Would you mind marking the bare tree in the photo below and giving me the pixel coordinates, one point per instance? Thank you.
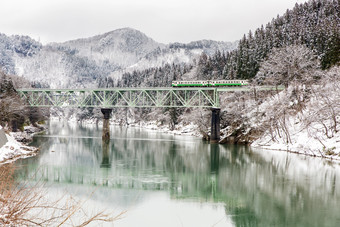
(323, 118)
(19, 206)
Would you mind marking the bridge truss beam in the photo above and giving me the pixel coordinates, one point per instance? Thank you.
(122, 97)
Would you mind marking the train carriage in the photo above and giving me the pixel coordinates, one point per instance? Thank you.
(209, 83)
(197, 83)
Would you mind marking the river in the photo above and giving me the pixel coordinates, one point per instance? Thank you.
(168, 180)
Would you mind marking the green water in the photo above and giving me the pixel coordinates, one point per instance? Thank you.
(166, 180)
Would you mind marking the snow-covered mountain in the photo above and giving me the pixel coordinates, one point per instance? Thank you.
(122, 47)
(81, 62)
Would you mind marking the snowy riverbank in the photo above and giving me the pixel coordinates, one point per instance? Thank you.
(303, 141)
(13, 150)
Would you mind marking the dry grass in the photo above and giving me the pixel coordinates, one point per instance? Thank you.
(25, 205)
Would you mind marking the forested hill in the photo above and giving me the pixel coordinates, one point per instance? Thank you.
(315, 24)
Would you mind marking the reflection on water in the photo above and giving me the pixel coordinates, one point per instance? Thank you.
(106, 154)
(185, 181)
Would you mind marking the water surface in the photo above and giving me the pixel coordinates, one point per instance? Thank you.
(166, 180)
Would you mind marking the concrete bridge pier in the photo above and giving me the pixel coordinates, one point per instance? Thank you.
(106, 124)
(215, 125)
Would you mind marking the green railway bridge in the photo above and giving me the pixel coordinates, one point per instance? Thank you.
(108, 98)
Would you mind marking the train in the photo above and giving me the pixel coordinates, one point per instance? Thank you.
(209, 83)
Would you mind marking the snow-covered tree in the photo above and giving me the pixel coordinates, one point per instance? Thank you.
(292, 64)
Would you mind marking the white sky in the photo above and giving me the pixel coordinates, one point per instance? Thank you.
(163, 20)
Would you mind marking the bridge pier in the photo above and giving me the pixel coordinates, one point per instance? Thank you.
(106, 123)
(215, 125)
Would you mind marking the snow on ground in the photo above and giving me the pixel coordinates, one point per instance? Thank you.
(14, 150)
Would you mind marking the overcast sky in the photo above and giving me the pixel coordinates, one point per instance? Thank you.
(163, 20)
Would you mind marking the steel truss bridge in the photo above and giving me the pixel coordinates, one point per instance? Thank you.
(202, 97)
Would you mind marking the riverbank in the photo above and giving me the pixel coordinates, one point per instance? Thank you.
(303, 140)
(13, 150)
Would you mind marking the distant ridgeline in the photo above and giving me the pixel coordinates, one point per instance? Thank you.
(314, 24)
